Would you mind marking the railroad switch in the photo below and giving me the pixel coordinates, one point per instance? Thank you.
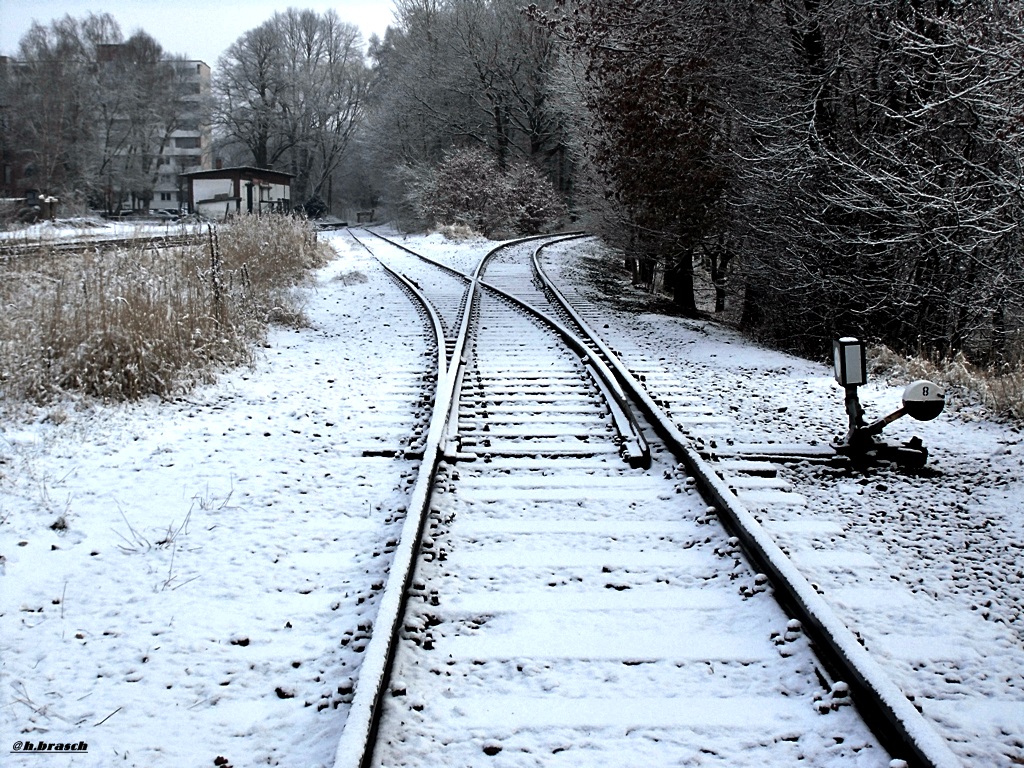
(922, 400)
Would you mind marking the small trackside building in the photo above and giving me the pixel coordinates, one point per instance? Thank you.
(243, 189)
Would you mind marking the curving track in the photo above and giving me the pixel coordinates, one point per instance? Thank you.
(560, 602)
(574, 583)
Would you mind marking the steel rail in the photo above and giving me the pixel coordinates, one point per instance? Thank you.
(420, 256)
(887, 711)
(899, 726)
(355, 747)
(638, 452)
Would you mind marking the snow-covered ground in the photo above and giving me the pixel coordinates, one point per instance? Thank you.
(926, 566)
(187, 581)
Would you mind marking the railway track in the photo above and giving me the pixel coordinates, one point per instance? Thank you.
(573, 586)
(771, 449)
(21, 248)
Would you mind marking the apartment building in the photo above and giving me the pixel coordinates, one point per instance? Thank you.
(185, 146)
(190, 147)
(12, 162)
(141, 162)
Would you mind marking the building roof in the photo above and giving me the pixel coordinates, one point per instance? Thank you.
(237, 170)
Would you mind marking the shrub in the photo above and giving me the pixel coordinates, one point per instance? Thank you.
(457, 232)
(536, 206)
(468, 188)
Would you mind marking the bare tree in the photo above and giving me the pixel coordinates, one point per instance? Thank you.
(54, 100)
(292, 91)
(141, 101)
(92, 111)
(860, 162)
(466, 74)
(249, 90)
(902, 181)
(653, 103)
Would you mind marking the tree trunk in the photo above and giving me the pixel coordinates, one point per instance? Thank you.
(630, 263)
(644, 275)
(679, 277)
(999, 348)
(752, 315)
(720, 258)
(720, 290)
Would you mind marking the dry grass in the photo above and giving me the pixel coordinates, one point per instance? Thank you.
(128, 324)
(1001, 392)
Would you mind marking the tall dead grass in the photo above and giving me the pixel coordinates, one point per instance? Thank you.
(127, 324)
(1000, 392)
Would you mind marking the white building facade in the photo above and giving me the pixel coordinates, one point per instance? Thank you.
(190, 147)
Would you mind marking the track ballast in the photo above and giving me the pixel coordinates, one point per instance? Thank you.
(566, 606)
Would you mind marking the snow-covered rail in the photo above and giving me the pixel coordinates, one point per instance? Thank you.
(448, 288)
(888, 711)
(566, 608)
(375, 670)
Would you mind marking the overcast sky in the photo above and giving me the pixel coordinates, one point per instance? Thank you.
(200, 29)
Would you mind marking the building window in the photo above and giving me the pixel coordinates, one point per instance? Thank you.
(188, 142)
(165, 196)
